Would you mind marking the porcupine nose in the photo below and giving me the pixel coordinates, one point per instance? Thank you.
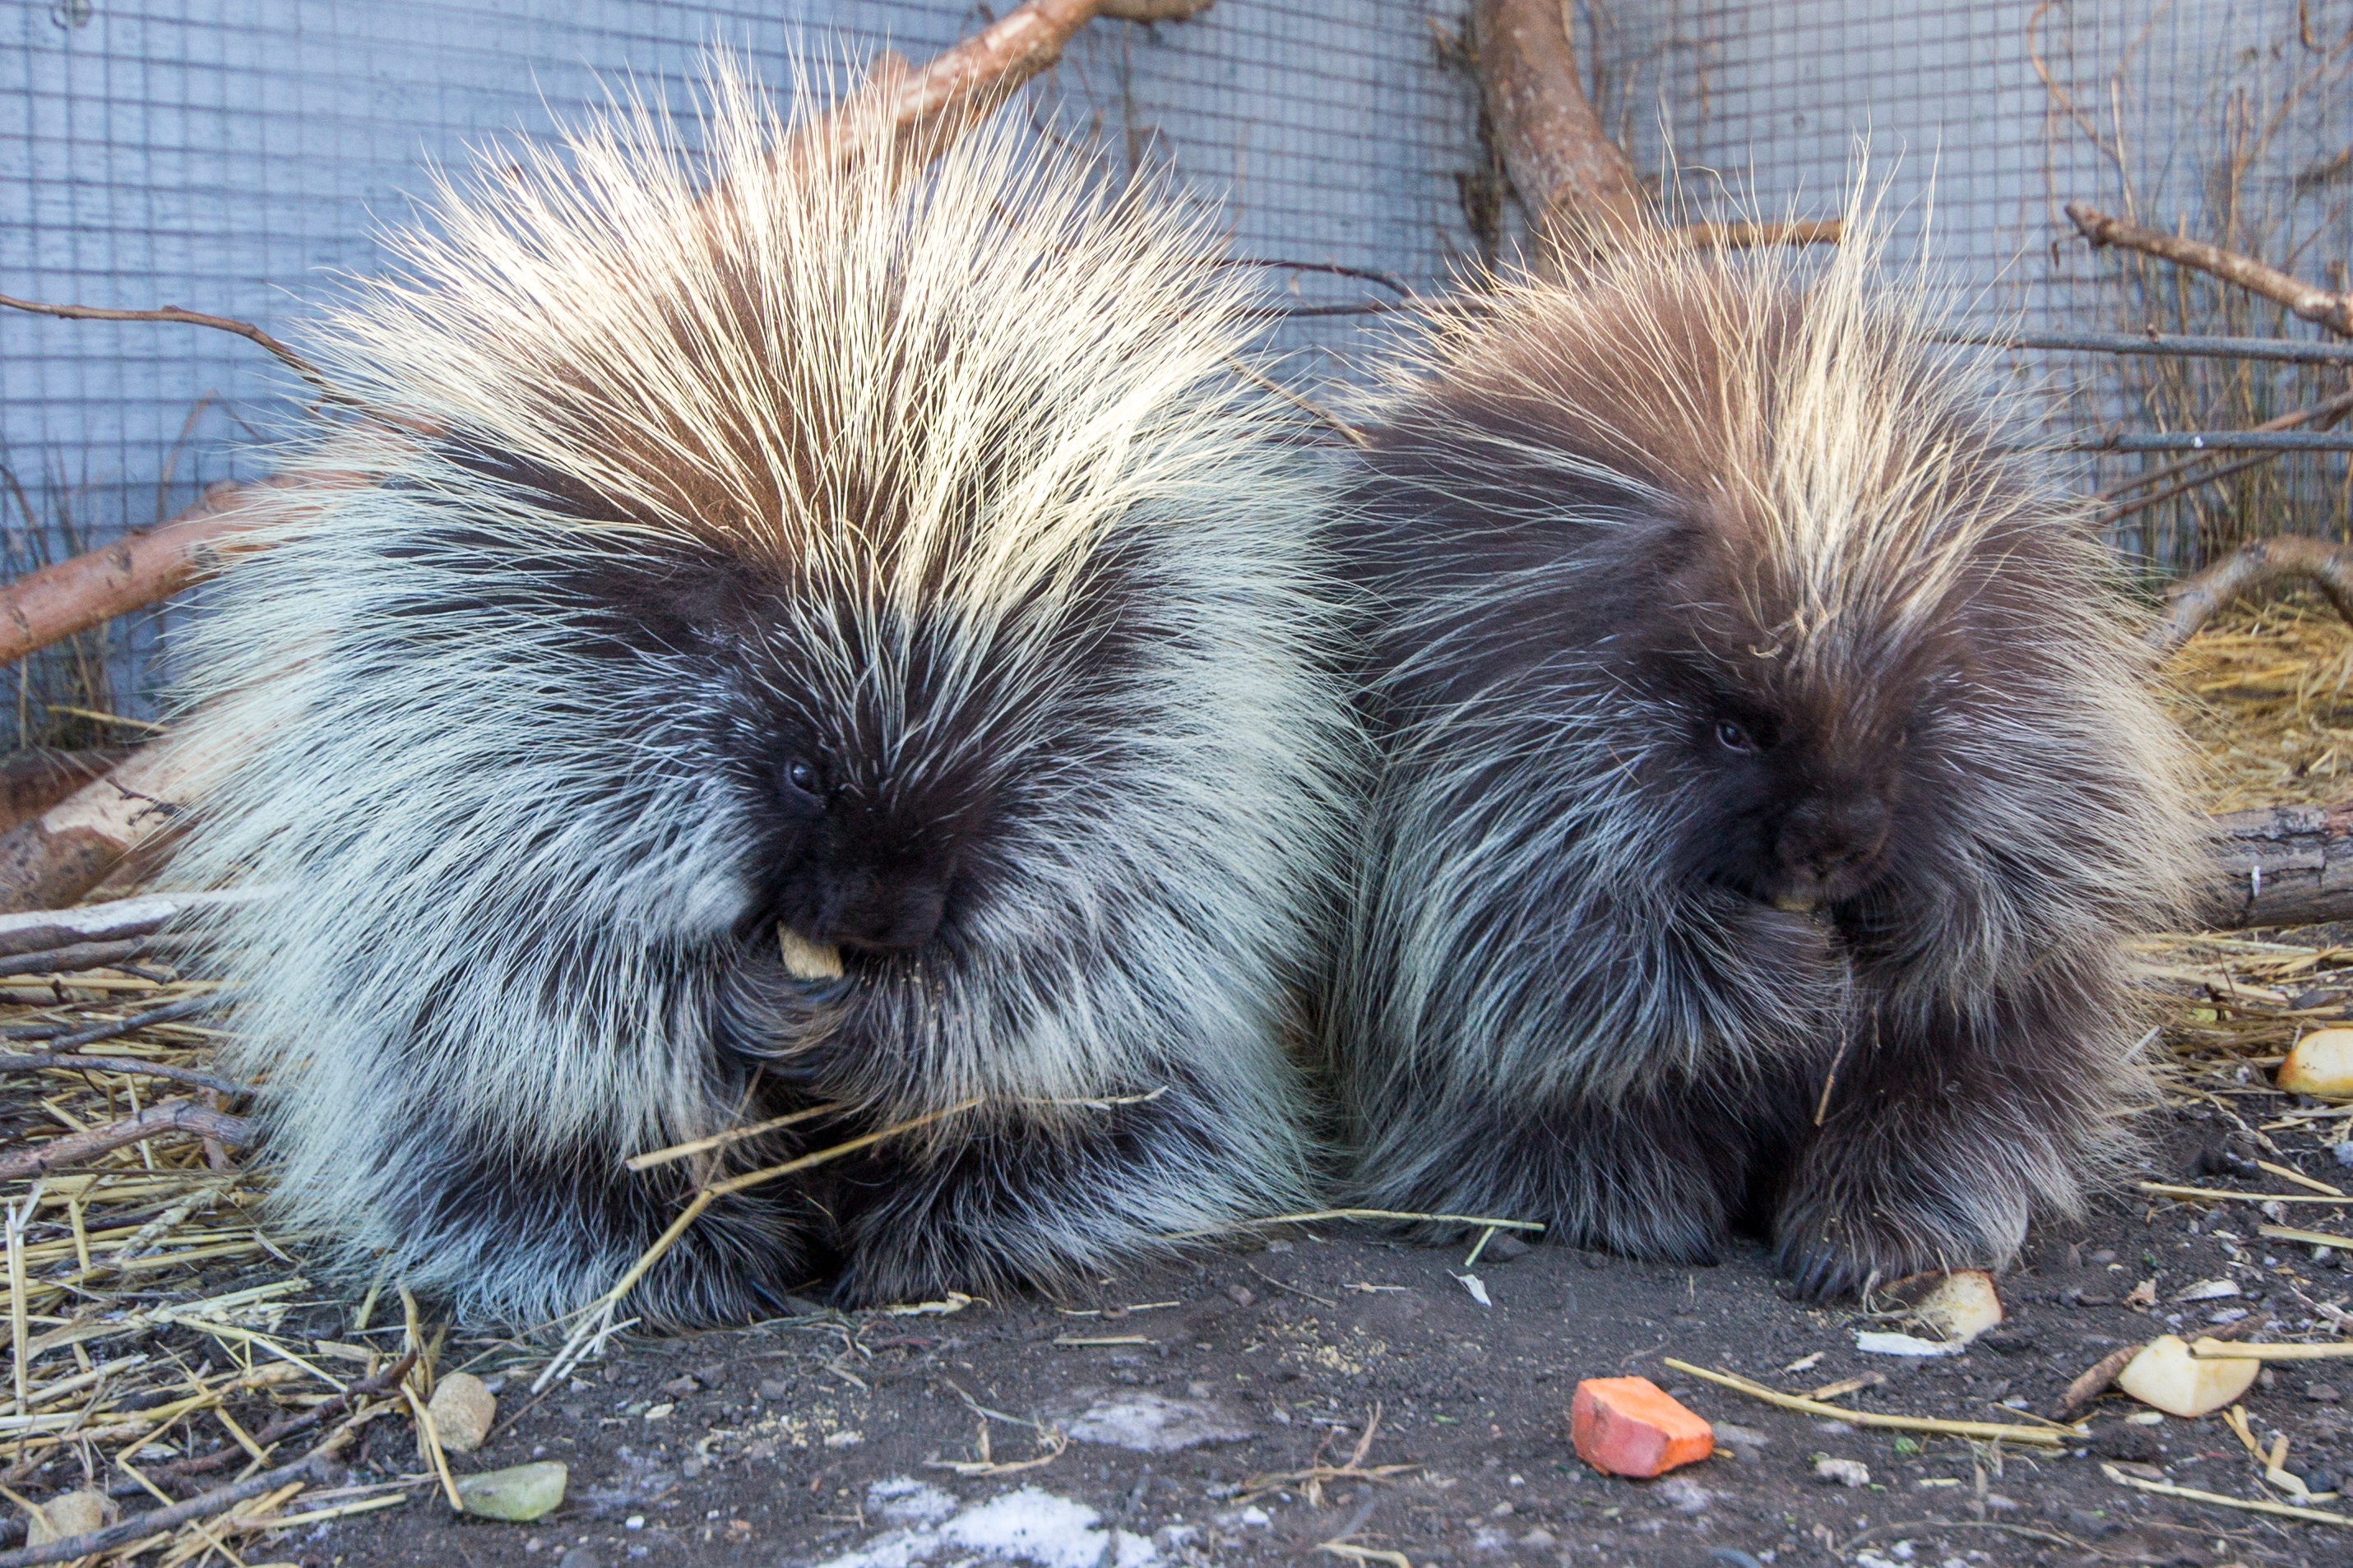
(889, 914)
(1823, 842)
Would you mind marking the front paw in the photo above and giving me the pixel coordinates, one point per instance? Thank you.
(1828, 1252)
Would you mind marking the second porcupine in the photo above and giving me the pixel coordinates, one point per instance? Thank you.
(1768, 783)
(843, 645)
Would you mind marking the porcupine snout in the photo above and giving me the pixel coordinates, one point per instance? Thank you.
(1828, 847)
(876, 912)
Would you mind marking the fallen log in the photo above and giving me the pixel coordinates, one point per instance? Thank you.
(55, 858)
(31, 784)
(2283, 866)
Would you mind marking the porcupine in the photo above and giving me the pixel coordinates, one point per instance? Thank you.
(851, 640)
(1768, 781)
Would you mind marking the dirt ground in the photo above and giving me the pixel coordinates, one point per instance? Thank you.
(1177, 1414)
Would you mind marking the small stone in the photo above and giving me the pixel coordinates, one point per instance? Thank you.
(775, 1388)
(1240, 1295)
(1841, 1472)
(1538, 1539)
(463, 1411)
(711, 1377)
(2344, 1153)
(75, 1513)
(520, 1493)
(682, 1386)
(580, 1557)
(1683, 1494)
(2322, 1393)
(1501, 1247)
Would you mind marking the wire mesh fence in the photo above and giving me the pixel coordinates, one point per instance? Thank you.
(237, 158)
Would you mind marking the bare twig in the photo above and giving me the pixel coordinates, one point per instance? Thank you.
(174, 314)
(189, 1076)
(66, 1037)
(2319, 413)
(2257, 563)
(180, 1118)
(2046, 1438)
(163, 1521)
(1315, 410)
(1748, 236)
(2333, 312)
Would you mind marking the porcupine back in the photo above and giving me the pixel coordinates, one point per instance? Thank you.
(1589, 513)
(951, 472)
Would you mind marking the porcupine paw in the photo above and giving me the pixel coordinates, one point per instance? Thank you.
(1831, 1252)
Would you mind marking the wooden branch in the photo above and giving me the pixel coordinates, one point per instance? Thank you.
(1578, 185)
(2333, 312)
(174, 315)
(163, 1520)
(1739, 236)
(919, 112)
(71, 1062)
(143, 566)
(46, 930)
(171, 1119)
(2257, 563)
(2283, 866)
(61, 855)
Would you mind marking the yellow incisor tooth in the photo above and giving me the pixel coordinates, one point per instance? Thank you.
(807, 960)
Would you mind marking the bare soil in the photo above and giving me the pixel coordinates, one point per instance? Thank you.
(809, 1440)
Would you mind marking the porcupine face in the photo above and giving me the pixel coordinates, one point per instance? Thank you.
(844, 854)
(1791, 783)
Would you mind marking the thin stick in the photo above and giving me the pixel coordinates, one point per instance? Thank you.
(721, 1140)
(174, 314)
(172, 1118)
(2040, 1437)
(65, 1037)
(164, 1520)
(753, 1178)
(2275, 349)
(1356, 438)
(1314, 1214)
(125, 1064)
(2310, 1238)
(2287, 1174)
(2240, 1351)
(2333, 312)
(2328, 411)
(2190, 1494)
(2207, 1195)
(1750, 236)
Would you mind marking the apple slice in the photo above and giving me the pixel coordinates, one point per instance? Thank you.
(2166, 1377)
(2322, 1064)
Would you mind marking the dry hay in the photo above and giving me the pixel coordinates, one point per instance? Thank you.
(164, 1342)
(2265, 694)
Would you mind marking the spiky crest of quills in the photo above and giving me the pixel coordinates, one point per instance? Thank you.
(950, 473)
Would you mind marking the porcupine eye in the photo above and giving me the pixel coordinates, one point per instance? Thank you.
(1732, 737)
(802, 779)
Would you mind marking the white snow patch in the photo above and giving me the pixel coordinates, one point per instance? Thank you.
(1027, 1526)
(1150, 1424)
(903, 1500)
